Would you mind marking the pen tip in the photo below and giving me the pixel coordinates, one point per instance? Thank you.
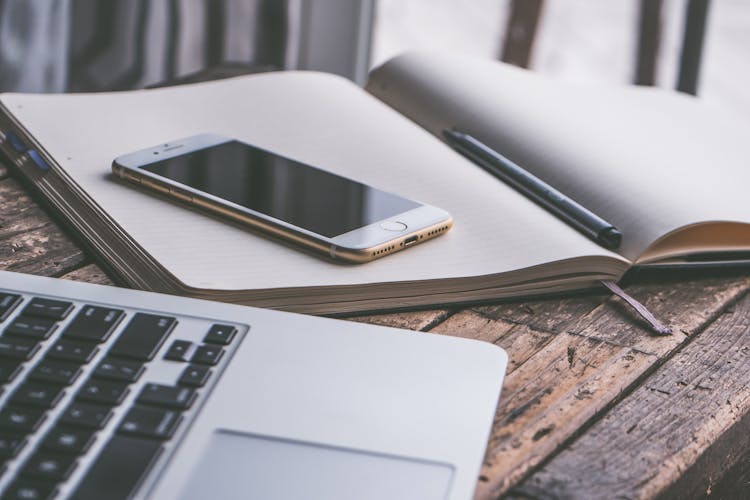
(610, 238)
(449, 133)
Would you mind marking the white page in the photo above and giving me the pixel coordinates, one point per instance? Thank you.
(647, 160)
(312, 117)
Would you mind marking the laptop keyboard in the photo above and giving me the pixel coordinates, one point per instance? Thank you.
(95, 397)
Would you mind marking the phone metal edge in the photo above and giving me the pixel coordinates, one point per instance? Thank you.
(279, 229)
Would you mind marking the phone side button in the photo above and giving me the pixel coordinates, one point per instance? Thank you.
(154, 185)
(133, 178)
(180, 195)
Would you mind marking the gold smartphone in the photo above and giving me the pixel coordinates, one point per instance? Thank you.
(334, 216)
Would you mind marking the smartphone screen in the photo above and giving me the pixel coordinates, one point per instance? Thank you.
(293, 192)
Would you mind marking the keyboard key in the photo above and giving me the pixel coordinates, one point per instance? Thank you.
(220, 334)
(178, 398)
(47, 308)
(86, 415)
(37, 395)
(119, 369)
(149, 422)
(17, 348)
(29, 490)
(207, 355)
(99, 391)
(9, 369)
(143, 336)
(56, 372)
(68, 440)
(20, 420)
(94, 324)
(48, 466)
(8, 302)
(119, 469)
(32, 328)
(70, 350)
(194, 376)
(10, 445)
(180, 350)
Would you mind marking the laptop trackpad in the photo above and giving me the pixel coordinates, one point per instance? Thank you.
(236, 465)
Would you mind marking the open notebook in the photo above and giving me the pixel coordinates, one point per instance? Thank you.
(669, 172)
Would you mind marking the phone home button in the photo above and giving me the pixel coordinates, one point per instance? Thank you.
(393, 226)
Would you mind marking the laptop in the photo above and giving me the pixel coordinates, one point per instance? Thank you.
(109, 393)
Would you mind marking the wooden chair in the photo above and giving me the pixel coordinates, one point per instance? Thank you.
(524, 19)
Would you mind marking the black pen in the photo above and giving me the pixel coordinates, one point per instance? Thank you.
(534, 188)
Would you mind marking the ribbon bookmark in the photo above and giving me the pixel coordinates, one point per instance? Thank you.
(642, 311)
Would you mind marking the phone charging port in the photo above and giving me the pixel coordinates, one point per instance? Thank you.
(410, 240)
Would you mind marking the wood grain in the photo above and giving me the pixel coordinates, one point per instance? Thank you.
(551, 315)
(680, 419)
(579, 373)
(90, 273)
(29, 241)
(520, 341)
(521, 328)
(411, 320)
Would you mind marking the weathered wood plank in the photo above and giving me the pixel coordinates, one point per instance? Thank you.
(670, 435)
(18, 212)
(29, 240)
(412, 320)
(521, 328)
(90, 273)
(471, 325)
(519, 341)
(44, 251)
(545, 315)
(582, 371)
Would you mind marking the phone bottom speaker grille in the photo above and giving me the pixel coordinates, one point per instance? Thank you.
(437, 231)
(384, 250)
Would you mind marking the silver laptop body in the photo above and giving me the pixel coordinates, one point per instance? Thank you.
(292, 407)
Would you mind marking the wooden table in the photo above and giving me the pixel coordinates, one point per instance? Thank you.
(593, 404)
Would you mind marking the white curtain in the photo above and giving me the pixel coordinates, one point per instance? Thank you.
(34, 45)
(102, 45)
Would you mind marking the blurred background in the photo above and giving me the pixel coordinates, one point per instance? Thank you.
(626, 41)
(695, 46)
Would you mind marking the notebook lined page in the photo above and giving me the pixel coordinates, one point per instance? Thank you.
(647, 160)
(316, 118)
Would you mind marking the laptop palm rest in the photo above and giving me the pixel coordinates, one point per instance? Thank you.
(237, 465)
